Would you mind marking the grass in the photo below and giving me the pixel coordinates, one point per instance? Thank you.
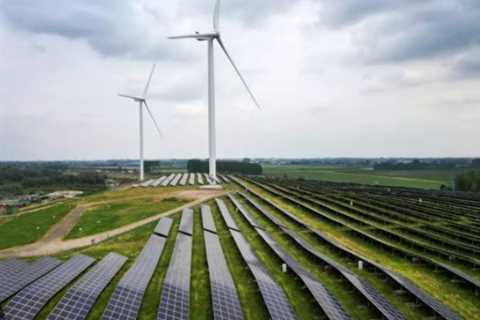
(439, 286)
(201, 305)
(30, 227)
(117, 214)
(424, 179)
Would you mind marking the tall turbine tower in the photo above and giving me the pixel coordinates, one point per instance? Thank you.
(211, 38)
(142, 102)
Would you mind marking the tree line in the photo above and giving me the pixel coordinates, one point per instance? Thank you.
(225, 166)
(468, 181)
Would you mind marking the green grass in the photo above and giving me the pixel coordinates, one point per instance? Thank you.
(110, 216)
(30, 227)
(425, 179)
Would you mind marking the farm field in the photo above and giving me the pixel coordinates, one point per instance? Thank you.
(420, 259)
(425, 179)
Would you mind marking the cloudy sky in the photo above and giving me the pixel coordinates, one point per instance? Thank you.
(335, 78)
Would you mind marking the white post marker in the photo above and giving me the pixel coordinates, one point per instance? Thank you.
(284, 267)
(360, 265)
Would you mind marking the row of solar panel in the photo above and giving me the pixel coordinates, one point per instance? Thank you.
(433, 304)
(474, 283)
(183, 179)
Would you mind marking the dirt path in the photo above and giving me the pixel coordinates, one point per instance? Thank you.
(53, 243)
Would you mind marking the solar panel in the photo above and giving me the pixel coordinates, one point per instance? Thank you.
(262, 210)
(206, 178)
(231, 224)
(186, 222)
(273, 295)
(26, 274)
(225, 302)
(175, 180)
(191, 179)
(26, 304)
(175, 297)
(10, 267)
(159, 181)
(324, 298)
(429, 301)
(226, 179)
(370, 293)
(200, 178)
(183, 181)
(434, 304)
(79, 299)
(240, 208)
(126, 300)
(167, 181)
(163, 227)
(207, 219)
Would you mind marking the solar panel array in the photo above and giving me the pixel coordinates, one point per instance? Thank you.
(167, 181)
(13, 281)
(126, 300)
(207, 219)
(191, 179)
(200, 178)
(183, 181)
(26, 304)
(175, 180)
(175, 297)
(11, 266)
(370, 293)
(225, 301)
(275, 299)
(79, 299)
(409, 286)
(231, 224)
(244, 213)
(186, 222)
(163, 227)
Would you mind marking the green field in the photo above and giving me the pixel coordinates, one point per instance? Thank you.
(424, 179)
(30, 227)
(116, 214)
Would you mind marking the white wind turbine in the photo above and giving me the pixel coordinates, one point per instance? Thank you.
(211, 37)
(142, 102)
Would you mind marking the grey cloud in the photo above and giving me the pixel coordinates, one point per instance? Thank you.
(408, 30)
(467, 66)
(112, 28)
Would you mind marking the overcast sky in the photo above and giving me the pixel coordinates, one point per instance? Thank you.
(355, 78)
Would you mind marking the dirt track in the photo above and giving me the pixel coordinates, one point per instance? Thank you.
(53, 243)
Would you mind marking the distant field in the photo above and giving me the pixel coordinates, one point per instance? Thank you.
(425, 179)
(30, 227)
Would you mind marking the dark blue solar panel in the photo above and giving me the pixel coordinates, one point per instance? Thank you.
(79, 299)
(175, 297)
(26, 274)
(127, 298)
(26, 304)
(163, 227)
(207, 219)
(186, 222)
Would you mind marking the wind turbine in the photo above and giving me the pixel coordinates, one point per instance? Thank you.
(142, 102)
(211, 38)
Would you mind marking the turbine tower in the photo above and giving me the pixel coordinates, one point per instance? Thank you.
(211, 38)
(142, 102)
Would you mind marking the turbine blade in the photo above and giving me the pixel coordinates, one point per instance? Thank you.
(216, 17)
(153, 118)
(129, 97)
(148, 82)
(238, 73)
(198, 36)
